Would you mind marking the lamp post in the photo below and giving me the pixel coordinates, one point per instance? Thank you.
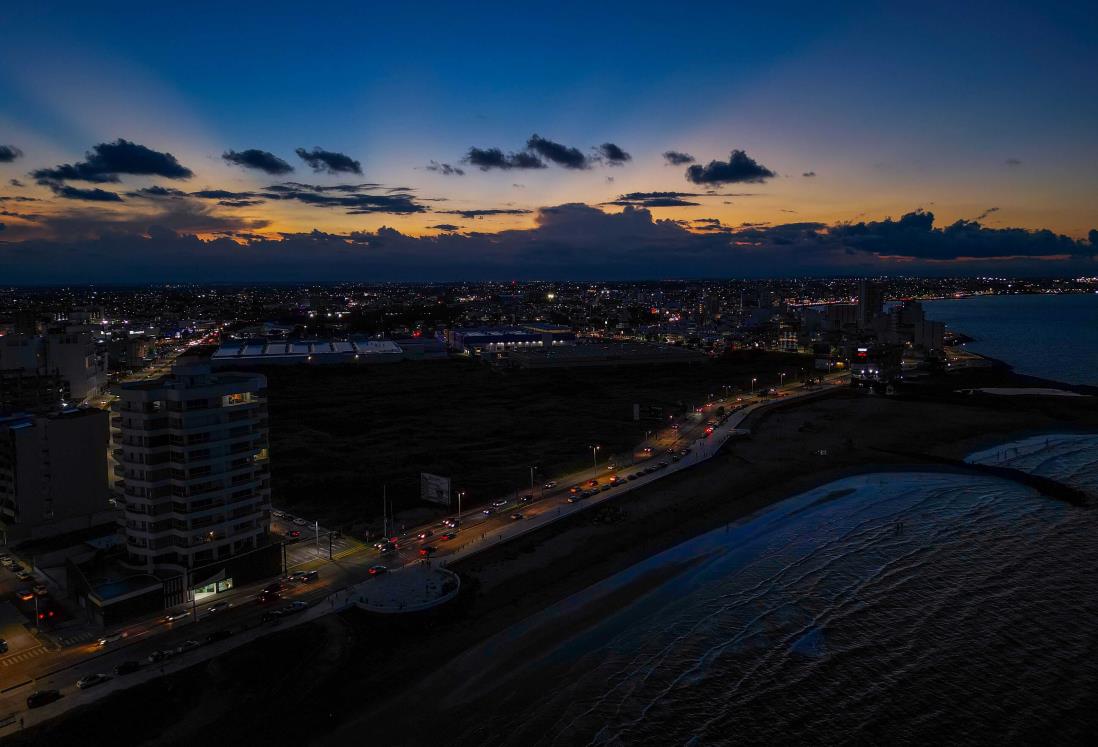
(753, 380)
(531, 482)
(781, 382)
(595, 460)
(460, 494)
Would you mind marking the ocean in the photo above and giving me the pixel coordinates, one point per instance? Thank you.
(895, 607)
(1051, 336)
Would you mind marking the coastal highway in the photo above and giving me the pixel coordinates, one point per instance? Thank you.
(49, 667)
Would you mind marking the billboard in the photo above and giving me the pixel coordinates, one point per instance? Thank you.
(434, 488)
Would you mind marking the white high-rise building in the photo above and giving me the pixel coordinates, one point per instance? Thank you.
(192, 469)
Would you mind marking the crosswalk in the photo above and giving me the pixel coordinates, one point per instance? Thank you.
(76, 638)
(22, 656)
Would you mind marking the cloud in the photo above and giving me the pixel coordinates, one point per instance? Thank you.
(9, 153)
(326, 160)
(562, 155)
(106, 161)
(445, 169)
(809, 174)
(914, 236)
(740, 168)
(91, 195)
(677, 158)
(445, 227)
(1013, 162)
(350, 199)
(239, 203)
(157, 192)
(612, 154)
(223, 194)
(656, 199)
(483, 212)
(487, 159)
(987, 212)
(253, 158)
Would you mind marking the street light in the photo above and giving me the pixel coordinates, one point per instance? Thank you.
(460, 494)
(595, 459)
(753, 380)
(781, 382)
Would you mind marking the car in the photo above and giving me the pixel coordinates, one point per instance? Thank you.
(575, 489)
(25, 594)
(24, 576)
(127, 667)
(377, 570)
(606, 487)
(174, 615)
(632, 477)
(6, 560)
(449, 535)
(3, 646)
(295, 577)
(310, 576)
(16, 568)
(271, 616)
(39, 698)
(186, 646)
(675, 457)
(488, 511)
(662, 465)
(452, 523)
(264, 597)
(647, 449)
(517, 517)
(499, 503)
(111, 638)
(218, 607)
(526, 498)
(574, 498)
(425, 534)
(426, 551)
(274, 588)
(219, 635)
(550, 485)
(300, 522)
(162, 655)
(294, 607)
(278, 514)
(388, 548)
(592, 483)
(91, 680)
(294, 534)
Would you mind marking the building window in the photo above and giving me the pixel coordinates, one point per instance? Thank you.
(236, 399)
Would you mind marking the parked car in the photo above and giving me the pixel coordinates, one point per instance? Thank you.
(300, 522)
(127, 667)
(39, 698)
(23, 576)
(3, 646)
(162, 655)
(187, 646)
(271, 616)
(294, 534)
(449, 535)
(294, 607)
(91, 680)
(310, 576)
(219, 635)
(377, 570)
(526, 498)
(499, 503)
(16, 568)
(426, 551)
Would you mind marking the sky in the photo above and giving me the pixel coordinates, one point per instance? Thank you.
(450, 141)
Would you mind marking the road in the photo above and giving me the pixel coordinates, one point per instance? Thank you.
(30, 665)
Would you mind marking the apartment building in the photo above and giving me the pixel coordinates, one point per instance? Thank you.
(191, 468)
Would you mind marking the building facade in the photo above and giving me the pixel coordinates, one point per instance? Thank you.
(192, 471)
(53, 474)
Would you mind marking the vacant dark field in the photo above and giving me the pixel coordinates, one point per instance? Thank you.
(340, 433)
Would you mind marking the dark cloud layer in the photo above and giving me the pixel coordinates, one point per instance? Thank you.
(350, 198)
(445, 169)
(445, 227)
(739, 168)
(612, 154)
(9, 153)
(562, 155)
(677, 158)
(570, 241)
(261, 160)
(483, 212)
(90, 195)
(325, 160)
(487, 159)
(914, 236)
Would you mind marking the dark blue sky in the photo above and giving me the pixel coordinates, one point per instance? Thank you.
(845, 113)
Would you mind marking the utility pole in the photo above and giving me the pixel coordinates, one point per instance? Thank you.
(531, 482)
(316, 525)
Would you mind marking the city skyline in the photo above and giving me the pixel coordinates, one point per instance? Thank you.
(854, 141)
